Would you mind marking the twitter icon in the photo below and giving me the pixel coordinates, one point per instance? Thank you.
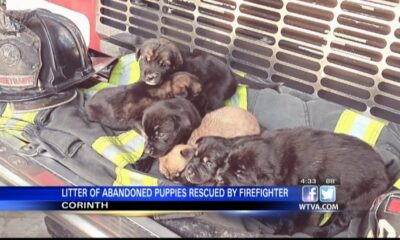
(327, 193)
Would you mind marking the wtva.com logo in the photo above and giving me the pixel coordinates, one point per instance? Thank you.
(326, 193)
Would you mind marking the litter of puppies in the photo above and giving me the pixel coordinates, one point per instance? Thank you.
(200, 142)
(228, 122)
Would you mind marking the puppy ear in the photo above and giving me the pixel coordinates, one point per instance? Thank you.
(195, 89)
(170, 122)
(183, 122)
(184, 93)
(178, 58)
(183, 126)
(198, 141)
(225, 141)
(187, 153)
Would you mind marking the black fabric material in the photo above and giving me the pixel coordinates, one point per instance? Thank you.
(71, 152)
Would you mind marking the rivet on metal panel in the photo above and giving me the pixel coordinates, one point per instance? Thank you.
(27, 147)
(30, 150)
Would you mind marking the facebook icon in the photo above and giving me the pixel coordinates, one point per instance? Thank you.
(310, 194)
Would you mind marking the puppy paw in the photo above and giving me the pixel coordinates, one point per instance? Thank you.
(169, 175)
(164, 171)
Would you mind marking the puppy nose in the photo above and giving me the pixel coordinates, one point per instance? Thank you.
(220, 180)
(152, 76)
(148, 150)
(177, 175)
(190, 170)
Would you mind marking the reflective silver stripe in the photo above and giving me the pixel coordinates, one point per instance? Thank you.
(235, 100)
(136, 143)
(126, 71)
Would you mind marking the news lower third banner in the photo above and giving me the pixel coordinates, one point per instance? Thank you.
(163, 198)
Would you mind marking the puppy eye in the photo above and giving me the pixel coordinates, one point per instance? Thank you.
(160, 135)
(164, 64)
(207, 162)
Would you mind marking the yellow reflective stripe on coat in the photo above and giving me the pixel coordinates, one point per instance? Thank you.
(90, 92)
(397, 184)
(239, 99)
(135, 213)
(129, 178)
(25, 116)
(362, 127)
(14, 122)
(142, 213)
(123, 149)
(125, 71)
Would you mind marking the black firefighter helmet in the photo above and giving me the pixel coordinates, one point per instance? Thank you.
(42, 55)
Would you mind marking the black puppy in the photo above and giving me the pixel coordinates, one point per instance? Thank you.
(168, 123)
(122, 107)
(282, 157)
(204, 161)
(160, 57)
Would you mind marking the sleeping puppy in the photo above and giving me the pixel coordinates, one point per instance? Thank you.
(207, 158)
(168, 123)
(160, 57)
(227, 122)
(172, 164)
(282, 157)
(122, 107)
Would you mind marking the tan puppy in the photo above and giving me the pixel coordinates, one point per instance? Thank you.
(172, 164)
(227, 122)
